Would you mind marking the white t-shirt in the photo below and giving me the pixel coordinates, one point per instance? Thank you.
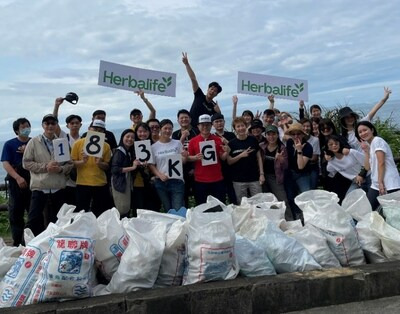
(349, 166)
(160, 150)
(391, 178)
(352, 139)
(314, 141)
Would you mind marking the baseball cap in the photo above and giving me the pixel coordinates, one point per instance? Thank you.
(71, 117)
(98, 124)
(217, 116)
(204, 118)
(271, 128)
(48, 117)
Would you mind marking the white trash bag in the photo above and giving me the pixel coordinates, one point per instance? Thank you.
(173, 260)
(253, 260)
(260, 198)
(240, 214)
(142, 258)
(323, 212)
(111, 243)
(67, 268)
(210, 248)
(356, 204)
(390, 237)
(391, 208)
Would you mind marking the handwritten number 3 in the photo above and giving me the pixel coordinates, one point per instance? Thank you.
(144, 150)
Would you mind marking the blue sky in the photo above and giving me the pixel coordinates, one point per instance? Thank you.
(347, 50)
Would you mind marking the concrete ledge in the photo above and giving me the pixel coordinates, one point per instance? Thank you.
(269, 294)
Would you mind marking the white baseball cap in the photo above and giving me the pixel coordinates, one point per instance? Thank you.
(98, 124)
(204, 118)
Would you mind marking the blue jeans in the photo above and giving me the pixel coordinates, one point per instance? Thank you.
(295, 184)
(171, 193)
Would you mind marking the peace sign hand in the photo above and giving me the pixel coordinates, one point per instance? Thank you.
(185, 59)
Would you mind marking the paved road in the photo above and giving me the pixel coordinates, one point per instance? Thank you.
(385, 305)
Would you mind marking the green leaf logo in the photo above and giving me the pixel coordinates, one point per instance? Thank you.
(301, 87)
(167, 81)
(297, 86)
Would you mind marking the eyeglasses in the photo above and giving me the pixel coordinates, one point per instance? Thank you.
(50, 123)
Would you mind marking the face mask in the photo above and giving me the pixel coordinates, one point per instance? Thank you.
(25, 132)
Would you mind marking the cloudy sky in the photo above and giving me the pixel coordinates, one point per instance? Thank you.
(347, 50)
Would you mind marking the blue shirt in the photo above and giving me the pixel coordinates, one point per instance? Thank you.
(13, 152)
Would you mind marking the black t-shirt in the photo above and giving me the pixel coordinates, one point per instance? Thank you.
(178, 133)
(228, 135)
(200, 106)
(292, 156)
(226, 169)
(269, 161)
(245, 169)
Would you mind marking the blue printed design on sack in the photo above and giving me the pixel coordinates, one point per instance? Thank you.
(13, 272)
(7, 295)
(70, 262)
(80, 290)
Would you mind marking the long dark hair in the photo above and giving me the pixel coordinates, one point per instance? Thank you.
(368, 125)
(121, 140)
(145, 126)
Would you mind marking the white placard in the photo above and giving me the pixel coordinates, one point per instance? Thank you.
(264, 85)
(130, 78)
(61, 150)
(175, 170)
(143, 151)
(207, 148)
(94, 144)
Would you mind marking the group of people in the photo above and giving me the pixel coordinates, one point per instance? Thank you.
(266, 152)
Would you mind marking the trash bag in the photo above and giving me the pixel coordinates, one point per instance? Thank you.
(321, 209)
(173, 259)
(67, 268)
(253, 260)
(210, 250)
(390, 237)
(111, 243)
(356, 204)
(241, 213)
(391, 208)
(142, 258)
(260, 198)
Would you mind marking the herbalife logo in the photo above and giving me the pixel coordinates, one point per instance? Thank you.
(282, 90)
(131, 82)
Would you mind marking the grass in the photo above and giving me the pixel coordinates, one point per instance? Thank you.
(4, 225)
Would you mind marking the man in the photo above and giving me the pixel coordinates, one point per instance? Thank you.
(315, 110)
(218, 122)
(110, 138)
(48, 177)
(202, 104)
(268, 117)
(18, 179)
(154, 126)
(74, 124)
(208, 179)
(93, 192)
(185, 134)
(136, 115)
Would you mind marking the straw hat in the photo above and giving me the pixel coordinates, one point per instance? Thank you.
(295, 128)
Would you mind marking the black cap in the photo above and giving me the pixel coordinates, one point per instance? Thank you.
(71, 117)
(256, 123)
(72, 98)
(48, 117)
(217, 116)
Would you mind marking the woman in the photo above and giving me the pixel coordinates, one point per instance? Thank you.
(348, 120)
(350, 164)
(123, 163)
(275, 163)
(379, 159)
(298, 175)
(314, 141)
(246, 163)
(170, 190)
(315, 126)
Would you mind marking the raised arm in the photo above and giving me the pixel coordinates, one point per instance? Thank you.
(271, 99)
(57, 105)
(149, 105)
(378, 106)
(234, 107)
(190, 72)
(301, 109)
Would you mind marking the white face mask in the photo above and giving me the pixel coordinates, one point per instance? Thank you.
(25, 132)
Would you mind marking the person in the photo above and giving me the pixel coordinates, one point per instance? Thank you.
(74, 124)
(123, 163)
(110, 138)
(348, 120)
(314, 141)
(218, 122)
(257, 129)
(48, 177)
(185, 134)
(136, 115)
(170, 190)
(154, 126)
(208, 179)
(350, 165)
(145, 194)
(246, 114)
(315, 126)
(202, 104)
(268, 117)
(18, 179)
(275, 161)
(93, 193)
(379, 159)
(315, 111)
(244, 158)
(298, 174)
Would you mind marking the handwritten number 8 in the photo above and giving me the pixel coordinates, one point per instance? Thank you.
(93, 141)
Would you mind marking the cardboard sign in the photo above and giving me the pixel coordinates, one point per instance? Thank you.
(94, 143)
(175, 170)
(61, 150)
(133, 79)
(207, 148)
(280, 87)
(143, 151)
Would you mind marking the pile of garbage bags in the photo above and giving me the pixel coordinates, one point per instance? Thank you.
(81, 256)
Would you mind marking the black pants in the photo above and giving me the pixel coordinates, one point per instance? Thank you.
(202, 190)
(38, 202)
(93, 198)
(18, 202)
